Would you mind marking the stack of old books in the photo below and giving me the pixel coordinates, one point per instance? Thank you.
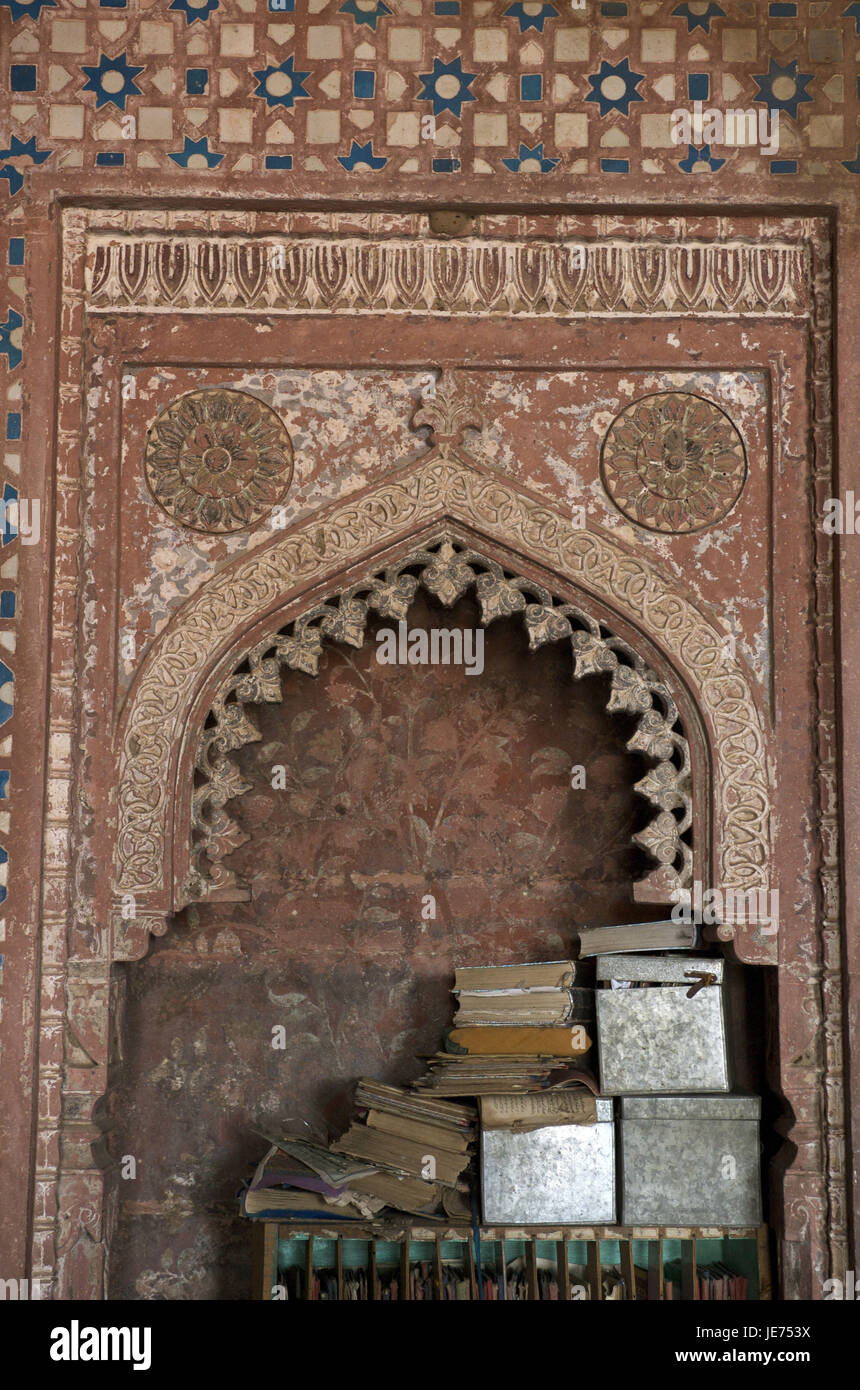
(419, 1147)
(402, 1151)
(520, 1034)
(518, 1028)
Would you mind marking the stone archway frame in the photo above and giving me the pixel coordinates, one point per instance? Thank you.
(447, 567)
(444, 486)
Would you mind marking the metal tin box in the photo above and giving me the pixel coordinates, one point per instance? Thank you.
(690, 1161)
(560, 1175)
(656, 1040)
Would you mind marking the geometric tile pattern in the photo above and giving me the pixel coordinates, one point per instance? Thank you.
(419, 86)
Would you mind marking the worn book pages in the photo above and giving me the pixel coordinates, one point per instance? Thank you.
(374, 1095)
(402, 1156)
(335, 1171)
(637, 936)
(404, 1194)
(431, 1136)
(522, 1113)
(555, 974)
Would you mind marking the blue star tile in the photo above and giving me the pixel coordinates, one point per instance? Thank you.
(615, 166)
(782, 11)
(531, 21)
(766, 80)
(4, 776)
(96, 77)
(13, 424)
(25, 149)
(702, 156)
(362, 154)
(531, 86)
(369, 17)
(20, 149)
(853, 165)
(363, 84)
(27, 9)
(279, 161)
(446, 165)
(196, 81)
(699, 21)
(516, 163)
(783, 166)
(191, 147)
(604, 85)
(16, 250)
(193, 12)
(430, 90)
(853, 12)
(110, 159)
(281, 86)
(446, 7)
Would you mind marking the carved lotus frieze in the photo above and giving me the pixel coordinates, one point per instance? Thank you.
(673, 462)
(218, 460)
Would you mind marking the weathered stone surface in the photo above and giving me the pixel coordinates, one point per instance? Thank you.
(164, 186)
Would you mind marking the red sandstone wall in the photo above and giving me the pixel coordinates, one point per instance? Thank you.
(56, 131)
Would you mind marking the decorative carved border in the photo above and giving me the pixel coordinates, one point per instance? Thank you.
(216, 274)
(443, 485)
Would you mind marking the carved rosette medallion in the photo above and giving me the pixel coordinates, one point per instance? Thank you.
(673, 462)
(218, 460)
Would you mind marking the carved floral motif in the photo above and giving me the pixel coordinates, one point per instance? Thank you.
(449, 410)
(218, 460)
(673, 462)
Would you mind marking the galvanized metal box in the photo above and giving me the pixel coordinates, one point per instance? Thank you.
(656, 1040)
(560, 1175)
(690, 1161)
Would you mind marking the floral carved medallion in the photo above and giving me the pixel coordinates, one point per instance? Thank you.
(218, 460)
(673, 462)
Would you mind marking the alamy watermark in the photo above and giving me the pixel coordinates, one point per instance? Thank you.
(76, 1343)
(848, 1287)
(21, 517)
(19, 1290)
(711, 906)
(439, 647)
(841, 516)
(735, 126)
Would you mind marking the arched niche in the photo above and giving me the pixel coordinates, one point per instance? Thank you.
(282, 593)
(448, 567)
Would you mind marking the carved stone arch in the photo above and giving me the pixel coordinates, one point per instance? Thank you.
(447, 567)
(298, 570)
